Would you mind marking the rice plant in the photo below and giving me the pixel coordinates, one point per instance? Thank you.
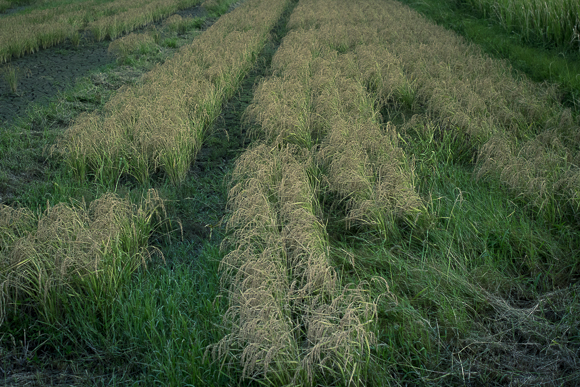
(75, 39)
(26, 33)
(131, 44)
(280, 265)
(71, 247)
(11, 77)
(160, 124)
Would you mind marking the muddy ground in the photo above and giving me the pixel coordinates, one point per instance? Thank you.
(45, 73)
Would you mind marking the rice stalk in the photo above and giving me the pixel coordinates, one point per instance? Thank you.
(280, 264)
(72, 247)
(159, 125)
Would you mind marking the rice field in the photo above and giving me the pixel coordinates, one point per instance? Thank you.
(311, 193)
(26, 33)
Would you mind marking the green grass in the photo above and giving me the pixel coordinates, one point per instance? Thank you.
(162, 320)
(455, 280)
(538, 61)
(169, 42)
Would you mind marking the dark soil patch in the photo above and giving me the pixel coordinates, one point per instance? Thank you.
(43, 74)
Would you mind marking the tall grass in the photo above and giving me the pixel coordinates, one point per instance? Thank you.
(556, 21)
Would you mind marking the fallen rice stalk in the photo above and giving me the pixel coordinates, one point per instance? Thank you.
(313, 329)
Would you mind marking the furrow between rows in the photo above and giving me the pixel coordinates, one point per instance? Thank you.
(160, 124)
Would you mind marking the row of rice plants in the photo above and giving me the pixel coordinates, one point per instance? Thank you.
(313, 102)
(323, 137)
(525, 138)
(73, 250)
(160, 124)
(22, 34)
(429, 71)
(113, 26)
(291, 321)
(555, 21)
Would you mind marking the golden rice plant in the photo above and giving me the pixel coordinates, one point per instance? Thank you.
(21, 34)
(159, 125)
(333, 317)
(543, 171)
(378, 69)
(295, 54)
(71, 247)
(81, 144)
(262, 335)
(428, 68)
(280, 264)
(319, 90)
(131, 44)
(364, 163)
(176, 23)
(172, 22)
(282, 108)
(459, 83)
(371, 174)
(430, 71)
